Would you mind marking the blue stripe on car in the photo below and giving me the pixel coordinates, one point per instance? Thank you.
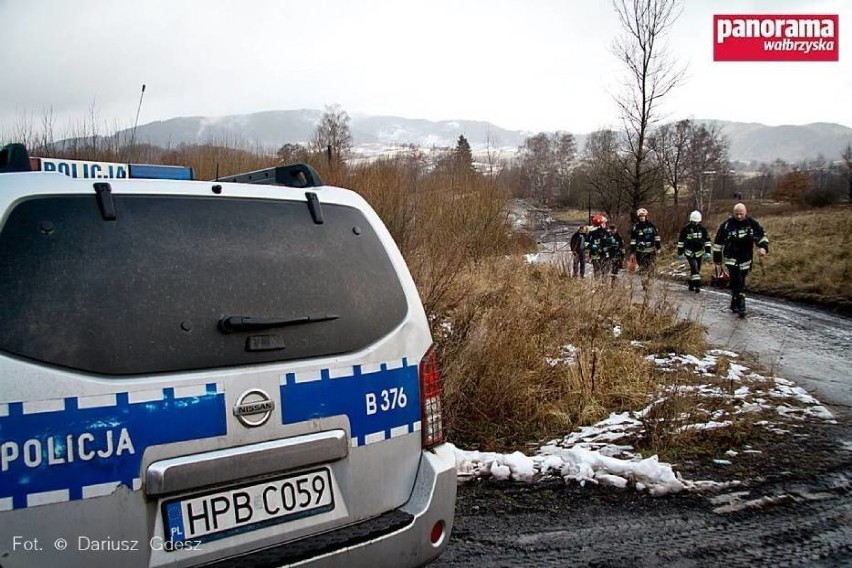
(376, 402)
(54, 454)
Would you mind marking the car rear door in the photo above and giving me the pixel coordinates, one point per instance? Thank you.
(200, 374)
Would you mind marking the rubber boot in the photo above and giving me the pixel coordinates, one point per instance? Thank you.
(741, 305)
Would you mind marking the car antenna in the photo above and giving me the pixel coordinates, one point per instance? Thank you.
(136, 122)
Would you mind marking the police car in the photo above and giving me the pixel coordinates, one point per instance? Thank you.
(235, 372)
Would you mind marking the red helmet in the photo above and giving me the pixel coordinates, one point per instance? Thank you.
(598, 220)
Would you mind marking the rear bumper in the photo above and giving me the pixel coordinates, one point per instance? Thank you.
(397, 539)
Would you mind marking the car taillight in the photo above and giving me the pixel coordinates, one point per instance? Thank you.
(432, 419)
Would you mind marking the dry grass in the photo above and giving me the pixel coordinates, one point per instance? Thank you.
(510, 375)
(572, 215)
(809, 257)
(442, 221)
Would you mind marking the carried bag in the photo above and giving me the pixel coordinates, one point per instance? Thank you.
(720, 277)
(631, 264)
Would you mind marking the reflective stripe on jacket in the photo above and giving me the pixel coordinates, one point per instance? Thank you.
(644, 237)
(735, 242)
(694, 240)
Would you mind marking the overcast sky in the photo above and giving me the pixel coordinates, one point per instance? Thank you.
(521, 64)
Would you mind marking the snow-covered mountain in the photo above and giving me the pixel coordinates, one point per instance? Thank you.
(275, 128)
(372, 134)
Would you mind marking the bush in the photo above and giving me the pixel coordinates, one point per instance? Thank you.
(820, 198)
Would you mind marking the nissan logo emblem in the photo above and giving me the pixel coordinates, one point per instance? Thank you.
(253, 408)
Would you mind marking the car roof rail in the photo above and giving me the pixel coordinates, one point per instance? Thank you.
(292, 175)
(14, 158)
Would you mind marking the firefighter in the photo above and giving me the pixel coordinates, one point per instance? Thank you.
(616, 250)
(598, 246)
(734, 244)
(644, 241)
(694, 245)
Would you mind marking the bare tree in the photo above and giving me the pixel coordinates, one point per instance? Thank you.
(847, 159)
(606, 173)
(650, 77)
(47, 136)
(333, 133)
(492, 152)
(289, 153)
(707, 155)
(535, 157)
(23, 130)
(546, 162)
(565, 151)
(670, 145)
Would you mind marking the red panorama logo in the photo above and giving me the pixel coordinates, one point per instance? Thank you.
(763, 37)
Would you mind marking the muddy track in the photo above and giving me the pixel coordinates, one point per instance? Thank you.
(791, 507)
(592, 529)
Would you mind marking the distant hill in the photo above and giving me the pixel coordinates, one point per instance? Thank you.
(753, 141)
(275, 128)
(372, 134)
(270, 128)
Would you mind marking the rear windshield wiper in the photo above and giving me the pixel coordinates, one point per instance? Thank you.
(231, 324)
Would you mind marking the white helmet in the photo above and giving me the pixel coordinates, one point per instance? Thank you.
(641, 211)
(695, 216)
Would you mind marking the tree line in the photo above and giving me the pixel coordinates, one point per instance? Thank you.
(687, 164)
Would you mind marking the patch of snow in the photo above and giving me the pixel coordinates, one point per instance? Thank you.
(598, 454)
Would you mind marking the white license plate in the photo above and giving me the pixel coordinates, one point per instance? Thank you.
(249, 507)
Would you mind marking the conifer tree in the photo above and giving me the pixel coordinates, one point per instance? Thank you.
(463, 154)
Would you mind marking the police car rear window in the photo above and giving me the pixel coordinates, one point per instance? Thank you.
(149, 291)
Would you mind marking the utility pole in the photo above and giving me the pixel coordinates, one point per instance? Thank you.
(589, 203)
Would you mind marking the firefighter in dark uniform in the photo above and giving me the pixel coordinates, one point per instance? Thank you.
(694, 244)
(644, 241)
(616, 250)
(598, 246)
(734, 244)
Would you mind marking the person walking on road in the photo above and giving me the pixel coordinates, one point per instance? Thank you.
(578, 252)
(599, 246)
(694, 245)
(734, 244)
(616, 251)
(644, 242)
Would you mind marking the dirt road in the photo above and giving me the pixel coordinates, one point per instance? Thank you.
(805, 344)
(791, 505)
